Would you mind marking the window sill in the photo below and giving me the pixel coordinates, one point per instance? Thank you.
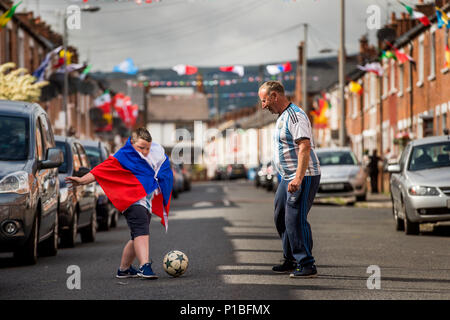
(432, 77)
(393, 91)
(384, 97)
(408, 89)
(419, 84)
(445, 70)
(400, 94)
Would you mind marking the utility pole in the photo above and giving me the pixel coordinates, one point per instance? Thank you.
(66, 77)
(342, 131)
(304, 71)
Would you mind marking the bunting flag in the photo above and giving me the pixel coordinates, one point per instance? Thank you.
(39, 73)
(447, 57)
(126, 66)
(442, 18)
(85, 72)
(355, 87)
(126, 110)
(320, 120)
(374, 67)
(388, 54)
(128, 176)
(103, 102)
(403, 57)
(183, 69)
(236, 69)
(274, 69)
(4, 18)
(417, 15)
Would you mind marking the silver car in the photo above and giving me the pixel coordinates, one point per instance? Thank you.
(420, 184)
(342, 175)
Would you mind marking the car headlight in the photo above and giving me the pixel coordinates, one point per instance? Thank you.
(16, 182)
(63, 193)
(423, 191)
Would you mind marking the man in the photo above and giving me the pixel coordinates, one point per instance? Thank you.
(373, 170)
(145, 158)
(295, 160)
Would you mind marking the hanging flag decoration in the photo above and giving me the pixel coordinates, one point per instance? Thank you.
(236, 69)
(85, 72)
(355, 87)
(388, 54)
(403, 57)
(374, 67)
(103, 102)
(126, 66)
(183, 69)
(39, 73)
(442, 18)
(417, 15)
(320, 120)
(127, 111)
(274, 69)
(447, 57)
(4, 18)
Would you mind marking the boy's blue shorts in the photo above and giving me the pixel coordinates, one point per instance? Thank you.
(138, 219)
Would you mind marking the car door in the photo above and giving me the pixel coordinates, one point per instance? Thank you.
(87, 200)
(79, 190)
(401, 177)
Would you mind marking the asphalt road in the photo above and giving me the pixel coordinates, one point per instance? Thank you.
(227, 231)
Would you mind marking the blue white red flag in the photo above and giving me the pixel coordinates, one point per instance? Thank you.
(128, 176)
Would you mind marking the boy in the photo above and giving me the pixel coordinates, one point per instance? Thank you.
(130, 179)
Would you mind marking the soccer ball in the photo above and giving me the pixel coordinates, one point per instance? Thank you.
(175, 263)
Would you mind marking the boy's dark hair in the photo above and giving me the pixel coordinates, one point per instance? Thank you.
(140, 133)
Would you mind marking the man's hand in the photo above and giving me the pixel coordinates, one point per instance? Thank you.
(294, 185)
(74, 181)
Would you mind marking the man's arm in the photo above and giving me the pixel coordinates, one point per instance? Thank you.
(76, 181)
(302, 165)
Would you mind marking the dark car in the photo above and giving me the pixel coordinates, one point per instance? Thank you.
(187, 177)
(29, 185)
(220, 173)
(178, 180)
(107, 214)
(236, 171)
(76, 204)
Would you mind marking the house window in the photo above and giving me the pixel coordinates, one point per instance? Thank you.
(421, 62)
(432, 55)
(401, 75)
(392, 76)
(444, 122)
(410, 69)
(427, 126)
(438, 123)
(355, 105)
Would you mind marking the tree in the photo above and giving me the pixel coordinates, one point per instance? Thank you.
(18, 84)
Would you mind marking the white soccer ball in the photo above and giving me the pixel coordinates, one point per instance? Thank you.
(175, 263)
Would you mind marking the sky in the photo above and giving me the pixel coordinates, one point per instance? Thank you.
(207, 33)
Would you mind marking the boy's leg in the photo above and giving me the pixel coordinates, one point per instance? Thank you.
(128, 255)
(141, 249)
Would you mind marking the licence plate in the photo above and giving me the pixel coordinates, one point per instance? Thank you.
(333, 186)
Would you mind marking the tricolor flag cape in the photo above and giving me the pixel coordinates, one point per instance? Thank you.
(128, 176)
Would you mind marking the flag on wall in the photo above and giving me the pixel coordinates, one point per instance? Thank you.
(126, 66)
(403, 57)
(274, 69)
(183, 69)
(39, 73)
(4, 18)
(374, 67)
(417, 15)
(447, 57)
(355, 87)
(236, 69)
(442, 18)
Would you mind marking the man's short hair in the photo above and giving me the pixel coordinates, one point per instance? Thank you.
(270, 86)
(140, 133)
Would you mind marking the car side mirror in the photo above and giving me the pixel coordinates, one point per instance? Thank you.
(394, 168)
(54, 159)
(81, 172)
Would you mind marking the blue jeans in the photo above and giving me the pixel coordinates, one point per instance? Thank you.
(291, 212)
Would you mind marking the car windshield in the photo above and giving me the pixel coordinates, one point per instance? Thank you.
(336, 158)
(14, 138)
(430, 156)
(62, 146)
(94, 156)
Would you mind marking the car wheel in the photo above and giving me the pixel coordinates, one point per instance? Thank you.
(88, 233)
(411, 228)
(28, 253)
(49, 247)
(399, 224)
(69, 237)
(106, 221)
(362, 197)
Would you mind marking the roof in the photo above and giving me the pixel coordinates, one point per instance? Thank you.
(17, 107)
(178, 108)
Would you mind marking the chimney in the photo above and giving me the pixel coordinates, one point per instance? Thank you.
(298, 76)
(426, 8)
(363, 48)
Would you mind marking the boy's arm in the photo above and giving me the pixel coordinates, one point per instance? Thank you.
(86, 179)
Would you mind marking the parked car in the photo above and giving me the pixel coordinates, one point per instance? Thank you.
(220, 173)
(341, 174)
(187, 177)
(178, 181)
(236, 171)
(76, 204)
(271, 176)
(420, 184)
(29, 185)
(107, 214)
(262, 175)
